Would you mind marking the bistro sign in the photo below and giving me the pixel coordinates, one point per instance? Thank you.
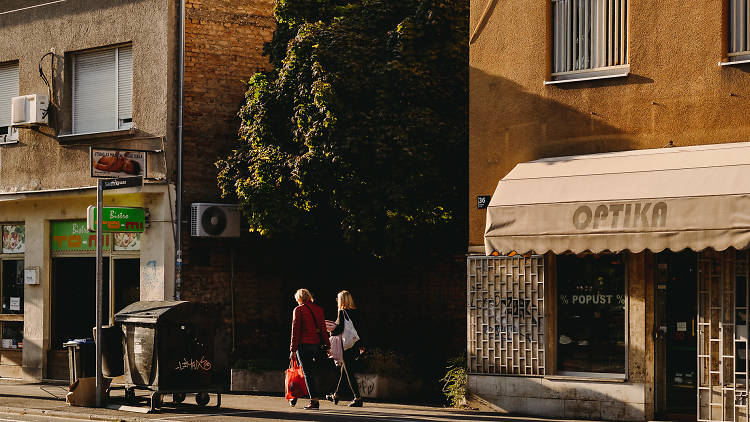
(117, 219)
(622, 215)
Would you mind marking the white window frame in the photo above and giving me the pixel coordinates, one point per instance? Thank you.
(12, 136)
(578, 28)
(118, 123)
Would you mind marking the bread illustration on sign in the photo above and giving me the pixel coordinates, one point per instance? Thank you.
(118, 163)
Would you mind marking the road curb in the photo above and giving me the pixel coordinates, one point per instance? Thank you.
(63, 414)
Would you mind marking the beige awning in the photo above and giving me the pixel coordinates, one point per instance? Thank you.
(656, 199)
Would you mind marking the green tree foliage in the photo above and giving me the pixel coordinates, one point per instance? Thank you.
(359, 135)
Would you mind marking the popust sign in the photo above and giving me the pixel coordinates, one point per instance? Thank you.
(117, 219)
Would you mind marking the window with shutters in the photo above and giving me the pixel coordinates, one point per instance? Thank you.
(102, 90)
(739, 32)
(8, 90)
(590, 39)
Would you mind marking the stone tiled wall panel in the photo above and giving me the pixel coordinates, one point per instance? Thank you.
(562, 398)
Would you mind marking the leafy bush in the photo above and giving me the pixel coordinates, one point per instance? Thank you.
(455, 382)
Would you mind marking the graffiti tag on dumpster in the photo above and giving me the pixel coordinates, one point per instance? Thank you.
(194, 365)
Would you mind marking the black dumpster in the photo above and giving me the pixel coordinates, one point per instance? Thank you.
(169, 348)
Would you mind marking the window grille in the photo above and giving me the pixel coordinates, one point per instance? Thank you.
(506, 315)
(739, 30)
(589, 35)
(722, 336)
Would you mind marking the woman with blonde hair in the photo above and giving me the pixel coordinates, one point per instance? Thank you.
(308, 334)
(347, 311)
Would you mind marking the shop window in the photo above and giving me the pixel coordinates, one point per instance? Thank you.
(12, 335)
(11, 286)
(591, 314)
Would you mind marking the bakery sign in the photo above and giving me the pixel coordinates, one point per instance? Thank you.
(107, 162)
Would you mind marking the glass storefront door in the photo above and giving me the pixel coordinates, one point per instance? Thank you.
(126, 283)
(675, 300)
(74, 298)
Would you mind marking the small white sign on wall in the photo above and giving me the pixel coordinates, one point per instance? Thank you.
(15, 303)
(31, 275)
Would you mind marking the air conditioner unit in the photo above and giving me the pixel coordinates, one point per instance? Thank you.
(214, 220)
(29, 110)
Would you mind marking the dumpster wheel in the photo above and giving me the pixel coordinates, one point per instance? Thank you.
(155, 401)
(202, 399)
(178, 397)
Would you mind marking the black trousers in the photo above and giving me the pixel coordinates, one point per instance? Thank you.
(309, 358)
(348, 371)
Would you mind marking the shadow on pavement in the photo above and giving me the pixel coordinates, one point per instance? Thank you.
(337, 415)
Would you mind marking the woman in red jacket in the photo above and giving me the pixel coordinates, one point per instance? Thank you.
(308, 335)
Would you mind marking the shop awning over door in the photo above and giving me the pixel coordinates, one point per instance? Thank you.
(656, 199)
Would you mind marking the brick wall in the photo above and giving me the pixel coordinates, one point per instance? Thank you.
(415, 307)
(223, 49)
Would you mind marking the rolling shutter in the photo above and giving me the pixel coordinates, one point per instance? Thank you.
(94, 107)
(8, 90)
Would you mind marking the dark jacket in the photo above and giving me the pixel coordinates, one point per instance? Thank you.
(304, 330)
(354, 317)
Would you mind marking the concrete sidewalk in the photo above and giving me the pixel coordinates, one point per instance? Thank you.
(48, 400)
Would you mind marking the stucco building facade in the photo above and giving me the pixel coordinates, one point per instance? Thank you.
(575, 106)
(110, 70)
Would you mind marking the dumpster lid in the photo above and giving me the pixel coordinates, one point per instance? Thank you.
(78, 341)
(148, 311)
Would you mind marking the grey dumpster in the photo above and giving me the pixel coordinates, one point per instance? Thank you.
(81, 358)
(169, 349)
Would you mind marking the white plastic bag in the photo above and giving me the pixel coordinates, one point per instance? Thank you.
(349, 336)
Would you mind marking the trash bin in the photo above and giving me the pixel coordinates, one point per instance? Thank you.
(169, 348)
(81, 358)
(112, 350)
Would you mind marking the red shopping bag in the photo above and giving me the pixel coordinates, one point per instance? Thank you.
(295, 381)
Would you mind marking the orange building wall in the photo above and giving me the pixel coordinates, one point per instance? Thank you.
(676, 91)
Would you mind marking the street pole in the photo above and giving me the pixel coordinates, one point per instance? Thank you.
(99, 241)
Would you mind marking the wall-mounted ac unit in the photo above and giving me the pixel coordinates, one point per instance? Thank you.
(214, 220)
(29, 110)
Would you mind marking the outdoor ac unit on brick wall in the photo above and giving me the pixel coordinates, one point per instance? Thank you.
(214, 220)
(29, 110)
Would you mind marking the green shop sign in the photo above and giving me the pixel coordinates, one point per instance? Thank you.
(117, 219)
(73, 236)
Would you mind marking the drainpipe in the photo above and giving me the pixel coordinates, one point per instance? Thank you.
(178, 199)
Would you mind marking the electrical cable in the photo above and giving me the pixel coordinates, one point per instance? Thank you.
(46, 81)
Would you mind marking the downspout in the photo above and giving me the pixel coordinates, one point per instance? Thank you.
(178, 199)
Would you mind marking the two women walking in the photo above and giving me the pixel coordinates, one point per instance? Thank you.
(310, 343)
